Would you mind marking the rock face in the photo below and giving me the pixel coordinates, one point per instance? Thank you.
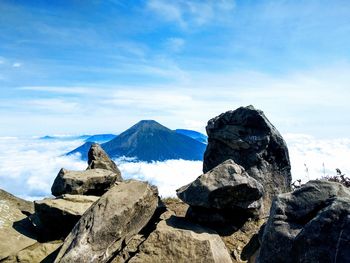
(311, 224)
(89, 182)
(226, 186)
(177, 240)
(98, 159)
(248, 138)
(57, 217)
(108, 224)
(16, 231)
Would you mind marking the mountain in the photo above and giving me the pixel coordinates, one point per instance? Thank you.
(100, 138)
(150, 141)
(194, 135)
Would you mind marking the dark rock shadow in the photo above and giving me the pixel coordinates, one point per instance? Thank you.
(26, 228)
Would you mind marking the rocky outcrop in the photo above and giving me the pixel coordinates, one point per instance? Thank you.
(227, 186)
(16, 231)
(311, 224)
(110, 223)
(36, 253)
(56, 217)
(98, 159)
(89, 182)
(177, 240)
(248, 138)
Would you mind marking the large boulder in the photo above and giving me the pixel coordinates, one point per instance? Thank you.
(177, 240)
(56, 217)
(98, 159)
(248, 138)
(110, 223)
(16, 230)
(227, 186)
(89, 182)
(311, 224)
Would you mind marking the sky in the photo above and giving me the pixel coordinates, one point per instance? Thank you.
(93, 66)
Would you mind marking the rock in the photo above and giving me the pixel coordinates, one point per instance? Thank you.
(89, 182)
(227, 186)
(110, 223)
(36, 253)
(57, 217)
(177, 240)
(311, 224)
(16, 231)
(248, 138)
(98, 159)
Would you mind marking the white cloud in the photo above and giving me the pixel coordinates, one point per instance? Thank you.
(191, 13)
(17, 65)
(167, 176)
(54, 105)
(175, 44)
(28, 166)
(57, 89)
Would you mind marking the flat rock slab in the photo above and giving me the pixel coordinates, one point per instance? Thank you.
(16, 231)
(227, 186)
(177, 240)
(110, 223)
(36, 253)
(89, 182)
(56, 217)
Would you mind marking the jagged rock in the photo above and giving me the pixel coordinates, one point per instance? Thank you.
(56, 217)
(110, 223)
(89, 182)
(247, 137)
(227, 186)
(177, 240)
(311, 224)
(16, 231)
(98, 159)
(36, 253)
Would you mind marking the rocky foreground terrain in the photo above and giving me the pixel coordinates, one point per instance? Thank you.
(240, 209)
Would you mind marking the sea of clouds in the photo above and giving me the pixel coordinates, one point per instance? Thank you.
(28, 166)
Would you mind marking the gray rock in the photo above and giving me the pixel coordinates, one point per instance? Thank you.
(16, 230)
(311, 224)
(177, 240)
(89, 182)
(98, 159)
(110, 223)
(247, 137)
(56, 217)
(227, 186)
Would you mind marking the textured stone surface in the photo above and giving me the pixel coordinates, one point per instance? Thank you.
(36, 253)
(16, 231)
(110, 223)
(98, 159)
(56, 217)
(311, 224)
(226, 186)
(89, 182)
(247, 137)
(177, 240)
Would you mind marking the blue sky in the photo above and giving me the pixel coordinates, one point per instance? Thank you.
(100, 66)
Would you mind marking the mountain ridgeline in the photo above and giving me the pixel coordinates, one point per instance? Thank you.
(149, 141)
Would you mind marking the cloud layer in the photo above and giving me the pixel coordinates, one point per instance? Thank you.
(28, 166)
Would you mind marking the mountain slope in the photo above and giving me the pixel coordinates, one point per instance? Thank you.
(194, 135)
(150, 141)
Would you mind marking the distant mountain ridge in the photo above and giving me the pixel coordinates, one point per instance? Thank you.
(149, 141)
(194, 135)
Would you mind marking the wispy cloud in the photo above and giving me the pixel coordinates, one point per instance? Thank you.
(53, 105)
(57, 89)
(17, 65)
(175, 44)
(191, 13)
